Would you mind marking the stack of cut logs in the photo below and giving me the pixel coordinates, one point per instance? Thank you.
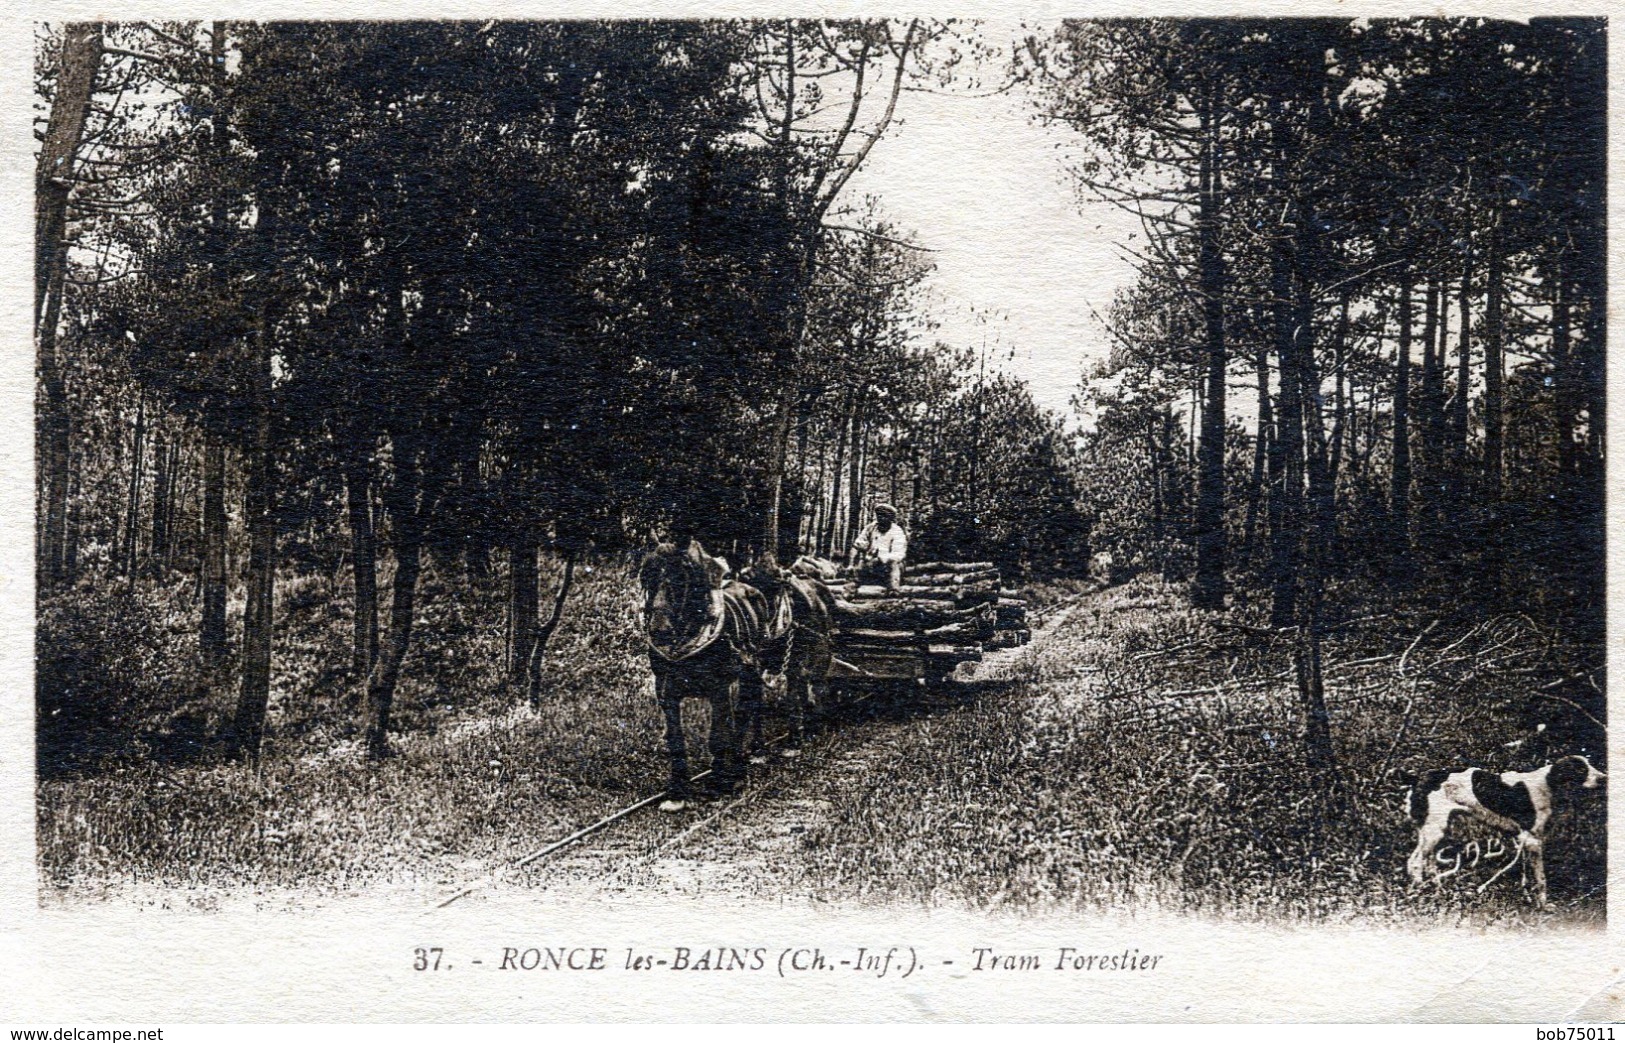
(954, 609)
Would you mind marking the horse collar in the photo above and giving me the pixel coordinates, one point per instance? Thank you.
(716, 622)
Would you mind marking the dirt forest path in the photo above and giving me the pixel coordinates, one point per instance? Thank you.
(1134, 755)
(750, 844)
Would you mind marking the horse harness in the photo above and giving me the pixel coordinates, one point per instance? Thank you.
(729, 615)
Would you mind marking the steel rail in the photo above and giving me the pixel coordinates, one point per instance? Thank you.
(631, 809)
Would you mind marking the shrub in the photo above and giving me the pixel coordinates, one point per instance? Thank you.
(115, 667)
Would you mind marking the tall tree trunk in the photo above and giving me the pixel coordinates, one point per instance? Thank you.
(1428, 401)
(916, 494)
(1590, 283)
(1261, 442)
(248, 724)
(1439, 420)
(1596, 381)
(934, 466)
(363, 559)
(53, 183)
(1340, 408)
(1464, 381)
(813, 540)
(64, 131)
(971, 488)
(1399, 493)
(832, 533)
(132, 513)
(179, 489)
(1370, 431)
(1431, 419)
(1442, 354)
(541, 635)
(854, 499)
(1322, 498)
(1286, 459)
(162, 477)
(779, 451)
(1493, 419)
(421, 472)
(1568, 379)
(790, 301)
(1351, 454)
(1209, 588)
(407, 520)
(212, 559)
(1309, 260)
(476, 542)
(1198, 403)
(54, 437)
(53, 441)
(804, 504)
(212, 581)
(522, 596)
(1588, 269)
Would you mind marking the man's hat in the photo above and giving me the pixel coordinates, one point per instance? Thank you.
(885, 508)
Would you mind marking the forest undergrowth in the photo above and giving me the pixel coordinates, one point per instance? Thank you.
(1150, 758)
(477, 775)
(1144, 755)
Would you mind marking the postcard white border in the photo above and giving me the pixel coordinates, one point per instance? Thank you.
(106, 964)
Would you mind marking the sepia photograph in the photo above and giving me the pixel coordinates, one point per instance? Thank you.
(1069, 471)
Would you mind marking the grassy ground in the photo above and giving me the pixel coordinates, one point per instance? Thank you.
(479, 778)
(1141, 755)
(1148, 757)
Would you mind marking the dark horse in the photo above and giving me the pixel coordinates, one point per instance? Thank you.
(705, 636)
(798, 645)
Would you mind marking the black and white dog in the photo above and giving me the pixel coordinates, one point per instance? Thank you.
(1516, 802)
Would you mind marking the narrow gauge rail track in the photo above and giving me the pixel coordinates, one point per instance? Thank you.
(611, 819)
(1056, 614)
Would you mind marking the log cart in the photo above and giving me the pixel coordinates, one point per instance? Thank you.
(945, 613)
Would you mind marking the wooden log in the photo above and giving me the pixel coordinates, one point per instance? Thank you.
(966, 632)
(1010, 617)
(984, 596)
(1005, 602)
(898, 612)
(867, 655)
(923, 567)
(852, 636)
(960, 632)
(981, 590)
(953, 579)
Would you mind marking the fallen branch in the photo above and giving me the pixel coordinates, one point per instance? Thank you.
(1456, 644)
(1245, 628)
(1561, 681)
(1406, 657)
(1493, 663)
(1183, 693)
(1351, 664)
(1154, 653)
(1570, 702)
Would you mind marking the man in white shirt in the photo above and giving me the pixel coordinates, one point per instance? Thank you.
(881, 547)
